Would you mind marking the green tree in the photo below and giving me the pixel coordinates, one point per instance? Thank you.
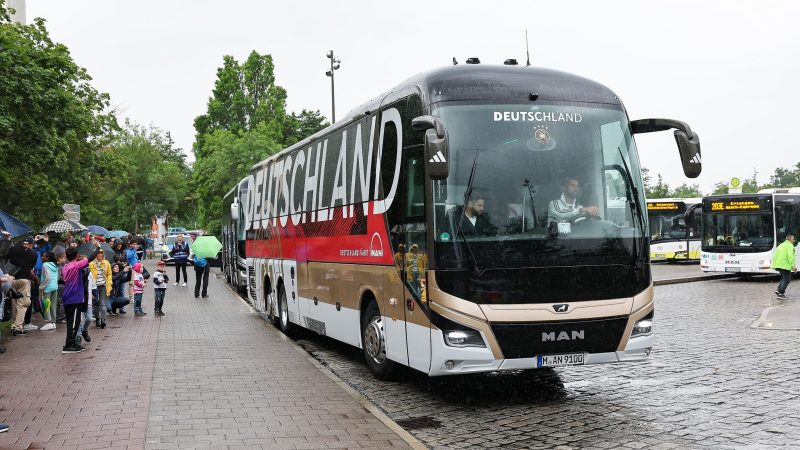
(244, 96)
(245, 122)
(785, 178)
(143, 175)
(686, 191)
(659, 190)
(53, 124)
(229, 159)
(300, 126)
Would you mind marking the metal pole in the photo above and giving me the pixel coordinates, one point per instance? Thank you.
(333, 95)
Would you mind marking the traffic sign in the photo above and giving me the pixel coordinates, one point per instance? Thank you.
(735, 186)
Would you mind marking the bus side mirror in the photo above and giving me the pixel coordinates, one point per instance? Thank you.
(234, 211)
(688, 141)
(437, 152)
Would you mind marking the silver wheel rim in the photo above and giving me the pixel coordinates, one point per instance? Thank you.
(374, 340)
(284, 311)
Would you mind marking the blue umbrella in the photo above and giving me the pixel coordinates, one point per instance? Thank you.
(13, 225)
(117, 234)
(97, 229)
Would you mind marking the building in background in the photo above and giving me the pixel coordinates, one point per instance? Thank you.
(19, 7)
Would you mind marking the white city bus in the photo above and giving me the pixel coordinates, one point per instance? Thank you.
(371, 232)
(740, 231)
(671, 238)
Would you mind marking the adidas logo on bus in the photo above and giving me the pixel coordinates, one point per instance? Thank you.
(438, 157)
(696, 159)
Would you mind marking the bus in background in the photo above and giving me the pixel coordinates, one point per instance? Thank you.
(234, 263)
(437, 226)
(671, 239)
(740, 231)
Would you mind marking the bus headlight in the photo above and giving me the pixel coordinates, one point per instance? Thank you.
(643, 327)
(765, 264)
(456, 334)
(463, 338)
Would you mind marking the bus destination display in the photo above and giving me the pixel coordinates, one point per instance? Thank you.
(663, 206)
(736, 205)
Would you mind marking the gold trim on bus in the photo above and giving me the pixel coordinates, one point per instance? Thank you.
(481, 316)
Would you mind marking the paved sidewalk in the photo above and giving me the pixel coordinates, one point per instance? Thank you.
(210, 374)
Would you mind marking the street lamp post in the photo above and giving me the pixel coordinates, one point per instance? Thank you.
(335, 62)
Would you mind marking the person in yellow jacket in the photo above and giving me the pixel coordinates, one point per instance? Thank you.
(784, 262)
(100, 271)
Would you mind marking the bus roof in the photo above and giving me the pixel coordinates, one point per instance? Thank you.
(793, 190)
(478, 82)
(688, 201)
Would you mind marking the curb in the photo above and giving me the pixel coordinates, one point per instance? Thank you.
(762, 319)
(407, 437)
(693, 279)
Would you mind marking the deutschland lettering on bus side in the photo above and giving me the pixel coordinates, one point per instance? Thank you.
(294, 187)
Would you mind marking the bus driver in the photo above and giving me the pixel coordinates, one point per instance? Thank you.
(566, 208)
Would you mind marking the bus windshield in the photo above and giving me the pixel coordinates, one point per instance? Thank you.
(739, 232)
(537, 186)
(539, 195)
(666, 221)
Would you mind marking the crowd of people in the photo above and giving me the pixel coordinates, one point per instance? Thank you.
(78, 289)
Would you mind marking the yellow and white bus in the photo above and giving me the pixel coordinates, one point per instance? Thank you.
(671, 237)
(419, 229)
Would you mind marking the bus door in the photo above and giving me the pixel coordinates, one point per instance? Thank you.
(411, 257)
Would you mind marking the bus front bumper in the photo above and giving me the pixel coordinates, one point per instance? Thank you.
(455, 361)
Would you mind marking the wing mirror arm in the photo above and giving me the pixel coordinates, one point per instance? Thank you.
(687, 140)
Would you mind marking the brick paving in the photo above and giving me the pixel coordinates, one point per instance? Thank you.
(210, 374)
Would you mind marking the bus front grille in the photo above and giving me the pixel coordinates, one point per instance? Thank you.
(527, 340)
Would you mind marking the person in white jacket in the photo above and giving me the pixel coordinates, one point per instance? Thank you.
(160, 281)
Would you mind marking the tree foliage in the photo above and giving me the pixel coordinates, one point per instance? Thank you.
(245, 122)
(143, 176)
(52, 124)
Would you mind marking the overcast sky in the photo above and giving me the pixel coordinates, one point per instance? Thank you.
(729, 69)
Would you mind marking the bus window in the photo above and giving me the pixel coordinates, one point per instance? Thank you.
(787, 219)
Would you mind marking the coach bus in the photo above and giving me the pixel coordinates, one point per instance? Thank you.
(672, 236)
(741, 231)
(428, 228)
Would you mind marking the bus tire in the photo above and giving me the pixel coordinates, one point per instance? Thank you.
(287, 327)
(374, 339)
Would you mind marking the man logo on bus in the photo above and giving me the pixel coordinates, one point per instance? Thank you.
(376, 251)
(562, 308)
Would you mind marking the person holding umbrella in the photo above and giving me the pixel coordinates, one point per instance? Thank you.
(204, 247)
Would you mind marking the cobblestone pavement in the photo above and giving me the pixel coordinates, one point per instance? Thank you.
(712, 382)
(210, 374)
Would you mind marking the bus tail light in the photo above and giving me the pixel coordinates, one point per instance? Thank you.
(643, 327)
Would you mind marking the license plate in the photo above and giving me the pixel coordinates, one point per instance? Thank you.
(569, 359)
(733, 269)
(659, 256)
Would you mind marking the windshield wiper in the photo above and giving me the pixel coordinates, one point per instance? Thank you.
(459, 231)
(635, 208)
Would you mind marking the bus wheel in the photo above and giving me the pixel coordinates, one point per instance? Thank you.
(283, 314)
(374, 338)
